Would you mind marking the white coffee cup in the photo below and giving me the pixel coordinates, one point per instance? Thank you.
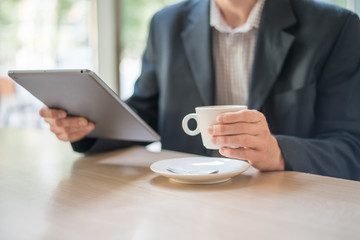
(206, 116)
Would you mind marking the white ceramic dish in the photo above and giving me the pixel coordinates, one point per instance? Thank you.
(197, 168)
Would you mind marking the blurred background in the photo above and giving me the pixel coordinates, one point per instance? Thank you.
(106, 36)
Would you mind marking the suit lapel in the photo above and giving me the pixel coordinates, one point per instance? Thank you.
(196, 39)
(272, 46)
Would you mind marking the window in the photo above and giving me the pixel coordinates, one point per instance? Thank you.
(136, 15)
(353, 5)
(40, 34)
(37, 34)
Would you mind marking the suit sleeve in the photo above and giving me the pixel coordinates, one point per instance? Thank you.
(144, 102)
(335, 149)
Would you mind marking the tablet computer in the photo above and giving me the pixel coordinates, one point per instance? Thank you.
(82, 93)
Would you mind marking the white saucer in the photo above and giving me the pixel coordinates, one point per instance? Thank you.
(226, 168)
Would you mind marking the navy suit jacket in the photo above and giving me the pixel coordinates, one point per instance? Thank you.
(305, 80)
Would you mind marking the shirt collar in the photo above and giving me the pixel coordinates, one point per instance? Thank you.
(217, 21)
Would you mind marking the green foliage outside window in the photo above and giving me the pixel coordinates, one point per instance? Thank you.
(8, 43)
(136, 15)
(339, 2)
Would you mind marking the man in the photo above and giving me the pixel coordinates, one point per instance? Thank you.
(295, 63)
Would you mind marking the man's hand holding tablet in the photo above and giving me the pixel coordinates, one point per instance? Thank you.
(66, 128)
(76, 100)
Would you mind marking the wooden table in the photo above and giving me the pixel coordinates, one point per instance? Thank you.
(49, 192)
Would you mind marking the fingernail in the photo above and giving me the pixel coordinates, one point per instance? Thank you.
(82, 122)
(210, 130)
(213, 140)
(61, 114)
(221, 150)
(220, 118)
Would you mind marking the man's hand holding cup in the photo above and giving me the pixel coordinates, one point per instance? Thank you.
(238, 133)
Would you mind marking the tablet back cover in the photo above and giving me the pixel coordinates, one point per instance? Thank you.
(82, 93)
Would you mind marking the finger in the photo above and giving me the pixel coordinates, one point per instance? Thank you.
(235, 128)
(46, 112)
(72, 122)
(247, 154)
(257, 159)
(50, 121)
(70, 130)
(71, 137)
(68, 122)
(249, 116)
(53, 127)
(245, 140)
(75, 136)
(56, 130)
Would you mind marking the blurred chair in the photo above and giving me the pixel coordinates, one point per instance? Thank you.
(18, 108)
(7, 87)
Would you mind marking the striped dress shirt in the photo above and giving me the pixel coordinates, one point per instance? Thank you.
(233, 51)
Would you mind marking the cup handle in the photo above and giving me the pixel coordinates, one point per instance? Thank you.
(186, 127)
